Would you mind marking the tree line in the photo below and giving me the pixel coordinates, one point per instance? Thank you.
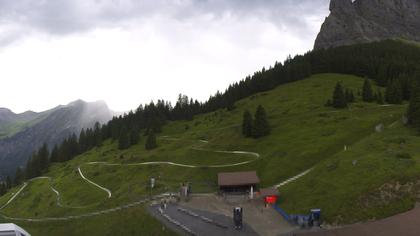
(395, 93)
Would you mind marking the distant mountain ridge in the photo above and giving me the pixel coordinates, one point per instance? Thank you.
(362, 21)
(50, 126)
(11, 123)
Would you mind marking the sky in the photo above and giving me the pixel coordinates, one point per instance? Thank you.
(129, 52)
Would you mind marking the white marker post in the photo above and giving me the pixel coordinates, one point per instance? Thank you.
(251, 194)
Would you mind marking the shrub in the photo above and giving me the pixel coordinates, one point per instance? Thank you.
(403, 155)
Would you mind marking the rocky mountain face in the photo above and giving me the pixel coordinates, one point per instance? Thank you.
(361, 21)
(51, 127)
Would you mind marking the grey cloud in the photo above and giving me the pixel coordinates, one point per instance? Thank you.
(61, 17)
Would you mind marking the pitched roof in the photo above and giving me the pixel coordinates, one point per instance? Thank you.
(238, 178)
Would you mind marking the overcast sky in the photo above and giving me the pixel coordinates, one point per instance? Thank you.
(128, 52)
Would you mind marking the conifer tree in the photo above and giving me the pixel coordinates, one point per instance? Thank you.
(413, 112)
(18, 176)
(8, 182)
(97, 136)
(393, 93)
(2, 188)
(134, 136)
(124, 139)
(367, 92)
(247, 124)
(29, 170)
(151, 141)
(82, 142)
(43, 158)
(261, 126)
(339, 98)
(379, 98)
(328, 103)
(54, 157)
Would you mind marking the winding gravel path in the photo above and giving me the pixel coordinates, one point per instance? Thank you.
(93, 183)
(294, 178)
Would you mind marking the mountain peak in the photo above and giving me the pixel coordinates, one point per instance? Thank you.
(6, 110)
(363, 21)
(340, 4)
(77, 102)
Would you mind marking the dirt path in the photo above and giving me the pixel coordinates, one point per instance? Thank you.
(93, 183)
(294, 178)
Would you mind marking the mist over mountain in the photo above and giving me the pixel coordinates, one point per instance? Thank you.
(33, 129)
(362, 21)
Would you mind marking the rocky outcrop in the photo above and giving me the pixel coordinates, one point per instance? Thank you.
(362, 21)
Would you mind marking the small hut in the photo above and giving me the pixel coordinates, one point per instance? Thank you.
(238, 182)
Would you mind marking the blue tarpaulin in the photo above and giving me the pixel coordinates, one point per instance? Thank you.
(282, 212)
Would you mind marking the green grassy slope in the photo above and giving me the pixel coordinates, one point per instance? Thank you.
(377, 177)
(305, 134)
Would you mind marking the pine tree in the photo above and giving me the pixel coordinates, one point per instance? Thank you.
(339, 98)
(35, 166)
(247, 124)
(393, 93)
(43, 157)
(54, 157)
(97, 136)
(379, 98)
(29, 170)
(261, 126)
(367, 92)
(3, 189)
(151, 141)
(124, 139)
(328, 103)
(82, 142)
(18, 176)
(413, 112)
(134, 136)
(8, 182)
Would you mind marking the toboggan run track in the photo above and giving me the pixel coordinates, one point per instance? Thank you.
(133, 204)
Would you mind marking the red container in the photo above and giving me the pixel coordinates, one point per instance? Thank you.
(271, 199)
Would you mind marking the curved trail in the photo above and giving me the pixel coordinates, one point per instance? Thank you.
(14, 196)
(294, 178)
(91, 214)
(256, 156)
(93, 183)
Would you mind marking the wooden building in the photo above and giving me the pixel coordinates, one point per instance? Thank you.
(238, 182)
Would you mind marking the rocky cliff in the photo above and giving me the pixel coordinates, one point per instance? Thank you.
(362, 21)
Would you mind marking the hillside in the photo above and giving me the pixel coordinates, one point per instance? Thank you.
(28, 131)
(305, 135)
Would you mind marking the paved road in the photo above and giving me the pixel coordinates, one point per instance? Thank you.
(265, 221)
(198, 226)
